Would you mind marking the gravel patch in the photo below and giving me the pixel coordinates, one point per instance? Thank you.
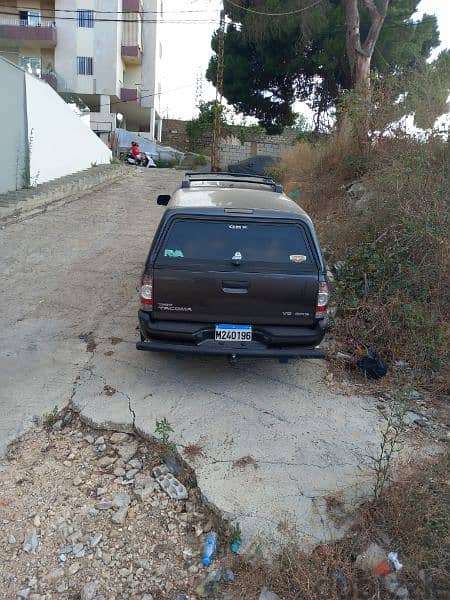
(74, 525)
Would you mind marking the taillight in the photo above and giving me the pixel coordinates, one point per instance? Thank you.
(146, 292)
(322, 300)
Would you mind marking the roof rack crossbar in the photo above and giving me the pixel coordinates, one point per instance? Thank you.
(190, 174)
(244, 178)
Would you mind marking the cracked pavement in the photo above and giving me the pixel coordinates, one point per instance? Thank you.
(72, 272)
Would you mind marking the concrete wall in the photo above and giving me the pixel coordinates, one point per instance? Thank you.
(232, 150)
(60, 143)
(13, 159)
(175, 135)
(237, 144)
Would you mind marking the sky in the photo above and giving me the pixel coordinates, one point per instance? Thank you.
(187, 49)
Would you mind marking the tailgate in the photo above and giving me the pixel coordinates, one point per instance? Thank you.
(231, 297)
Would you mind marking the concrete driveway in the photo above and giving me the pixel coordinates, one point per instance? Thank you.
(275, 440)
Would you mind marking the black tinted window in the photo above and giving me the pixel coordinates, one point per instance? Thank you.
(193, 241)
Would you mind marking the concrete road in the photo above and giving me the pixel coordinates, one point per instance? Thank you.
(275, 440)
(61, 273)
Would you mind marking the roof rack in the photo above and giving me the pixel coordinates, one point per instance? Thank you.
(234, 177)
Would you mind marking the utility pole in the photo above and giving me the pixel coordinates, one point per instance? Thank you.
(199, 88)
(215, 150)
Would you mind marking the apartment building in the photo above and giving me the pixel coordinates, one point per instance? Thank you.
(107, 52)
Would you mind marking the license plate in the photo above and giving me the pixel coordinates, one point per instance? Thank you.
(233, 333)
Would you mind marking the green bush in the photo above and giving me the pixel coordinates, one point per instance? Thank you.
(162, 163)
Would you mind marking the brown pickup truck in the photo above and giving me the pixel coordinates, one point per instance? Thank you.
(235, 268)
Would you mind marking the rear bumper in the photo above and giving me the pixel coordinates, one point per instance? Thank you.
(270, 341)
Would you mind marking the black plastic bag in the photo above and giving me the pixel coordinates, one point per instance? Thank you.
(373, 365)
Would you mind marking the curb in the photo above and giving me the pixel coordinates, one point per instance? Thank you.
(52, 199)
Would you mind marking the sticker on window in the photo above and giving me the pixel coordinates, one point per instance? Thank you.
(297, 258)
(173, 253)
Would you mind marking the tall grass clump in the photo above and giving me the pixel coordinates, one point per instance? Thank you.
(390, 254)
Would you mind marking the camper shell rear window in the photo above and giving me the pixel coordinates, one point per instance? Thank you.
(225, 242)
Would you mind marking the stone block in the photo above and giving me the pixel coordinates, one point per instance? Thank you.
(169, 483)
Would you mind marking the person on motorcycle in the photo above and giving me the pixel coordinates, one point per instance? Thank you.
(135, 152)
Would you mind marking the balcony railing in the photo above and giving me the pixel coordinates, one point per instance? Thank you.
(35, 31)
(33, 21)
(130, 95)
(132, 6)
(132, 55)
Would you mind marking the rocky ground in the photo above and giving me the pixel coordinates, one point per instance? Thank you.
(83, 517)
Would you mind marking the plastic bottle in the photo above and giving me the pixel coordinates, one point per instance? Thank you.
(393, 557)
(209, 548)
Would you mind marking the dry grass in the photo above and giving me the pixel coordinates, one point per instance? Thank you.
(91, 345)
(192, 451)
(414, 514)
(109, 390)
(411, 517)
(245, 461)
(390, 260)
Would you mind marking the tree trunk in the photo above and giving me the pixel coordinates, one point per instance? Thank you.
(359, 56)
(362, 76)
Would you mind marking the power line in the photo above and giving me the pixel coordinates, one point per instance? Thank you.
(343, 28)
(212, 21)
(275, 14)
(103, 20)
(74, 10)
(141, 97)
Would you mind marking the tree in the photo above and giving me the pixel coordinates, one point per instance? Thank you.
(205, 121)
(272, 61)
(302, 123)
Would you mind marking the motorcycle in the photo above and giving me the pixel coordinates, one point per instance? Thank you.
(144, 159)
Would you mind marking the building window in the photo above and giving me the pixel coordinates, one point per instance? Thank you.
(85, 65)
(30, 18)
(85, 18)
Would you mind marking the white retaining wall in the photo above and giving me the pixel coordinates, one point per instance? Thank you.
(13, 160)
(59, 142)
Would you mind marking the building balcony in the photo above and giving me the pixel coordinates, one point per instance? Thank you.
(132, 55)
(130, 95)
(41, 33)
(132, 6)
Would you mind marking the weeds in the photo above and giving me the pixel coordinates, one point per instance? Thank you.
(383, 462)
(200, 160)
(163, 163)
(163, 430)
(236, 534)
(109, 390)
(245, 461)
(390, 259)
(411, 514)
(193, 451)
(51, 417)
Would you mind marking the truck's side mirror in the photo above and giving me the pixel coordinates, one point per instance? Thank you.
(163, 199)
